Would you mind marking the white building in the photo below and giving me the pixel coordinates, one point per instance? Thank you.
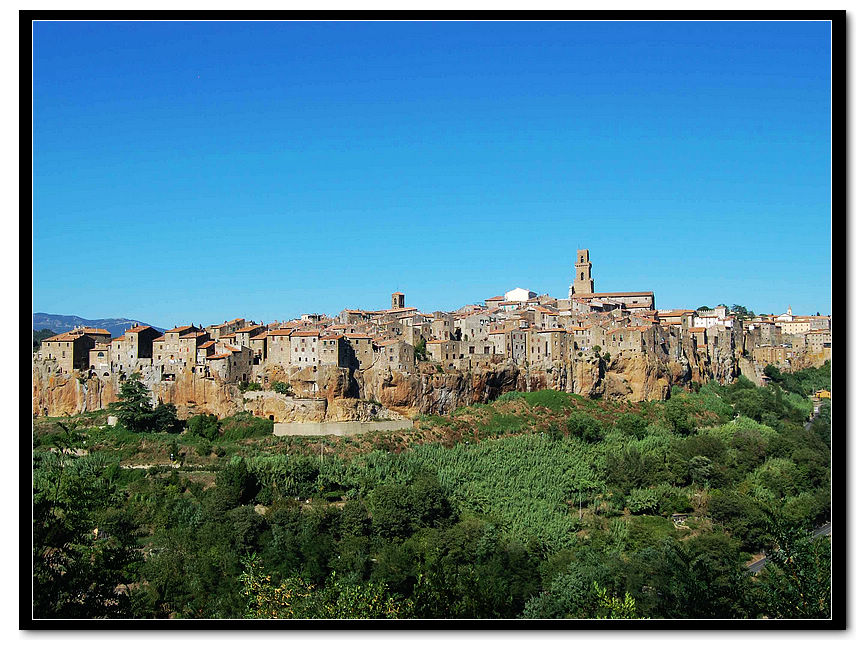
(519, 295)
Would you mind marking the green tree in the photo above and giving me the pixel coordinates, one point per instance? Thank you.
(84, 557)
(164, 418)
(700, 469)
(584, 426)
(632, 425)
(797, 580)
(420, 352)
(203, 426)
(281, 387)
(133, 407)
(610, 606)
(679, 417)
(741, 312)
(296, 598)
(773, 373)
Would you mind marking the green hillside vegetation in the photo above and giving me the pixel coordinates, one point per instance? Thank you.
(538, 505)
(39, 336)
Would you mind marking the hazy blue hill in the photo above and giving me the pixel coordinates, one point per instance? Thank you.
(59, 323)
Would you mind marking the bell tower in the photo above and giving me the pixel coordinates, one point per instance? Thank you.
(397, 300)
(583, 282)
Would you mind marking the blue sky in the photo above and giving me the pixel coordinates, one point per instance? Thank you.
(202, 171)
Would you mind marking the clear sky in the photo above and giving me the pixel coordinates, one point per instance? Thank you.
(203, 171)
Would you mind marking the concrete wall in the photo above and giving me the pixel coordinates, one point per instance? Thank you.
(337, 428)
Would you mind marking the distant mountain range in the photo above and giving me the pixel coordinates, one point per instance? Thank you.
(58, 323)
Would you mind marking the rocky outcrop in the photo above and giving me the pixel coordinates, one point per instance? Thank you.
(56, 395)
(339, 394)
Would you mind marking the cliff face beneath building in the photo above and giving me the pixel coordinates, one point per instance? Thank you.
(339, 394)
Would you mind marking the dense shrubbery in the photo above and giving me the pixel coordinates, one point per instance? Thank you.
(134, 412)
(803, 382)
(499, 525)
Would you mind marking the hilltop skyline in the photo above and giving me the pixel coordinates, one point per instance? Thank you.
(213, 170)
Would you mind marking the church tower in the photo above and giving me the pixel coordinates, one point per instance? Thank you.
(583, 282)
(397, 300)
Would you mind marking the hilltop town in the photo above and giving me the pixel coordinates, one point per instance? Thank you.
(590, 342)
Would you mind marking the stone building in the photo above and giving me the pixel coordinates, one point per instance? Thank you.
(100, 359)
(442, 327)
(70, 351)
(136, 344)
(818, 340)
(547, 345)
(334, 350)
(583, 283)
(443, 351)
(518, 345)
(258, 344)
(474, 327)
(243, 335)
(231, 365)
(305, 348)
(278, 347)
(395, 354)
(166, 348)
(360, 350)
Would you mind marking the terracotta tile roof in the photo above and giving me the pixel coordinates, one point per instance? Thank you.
(616, 294)
(249, 328)
(161, 338)
(279, 332)
(65, 336)
(209, 344)
(119, 338)
(259, 337)
(217, 356)
(390, 342)
(307, 333)
(193, 334)
(231, 349)
(182, 328)
(357, 335)
(434, 341)
(550, 331)
(139, 328)
(496, 298)
(332, 337)
(696, 329)
(95, 330)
